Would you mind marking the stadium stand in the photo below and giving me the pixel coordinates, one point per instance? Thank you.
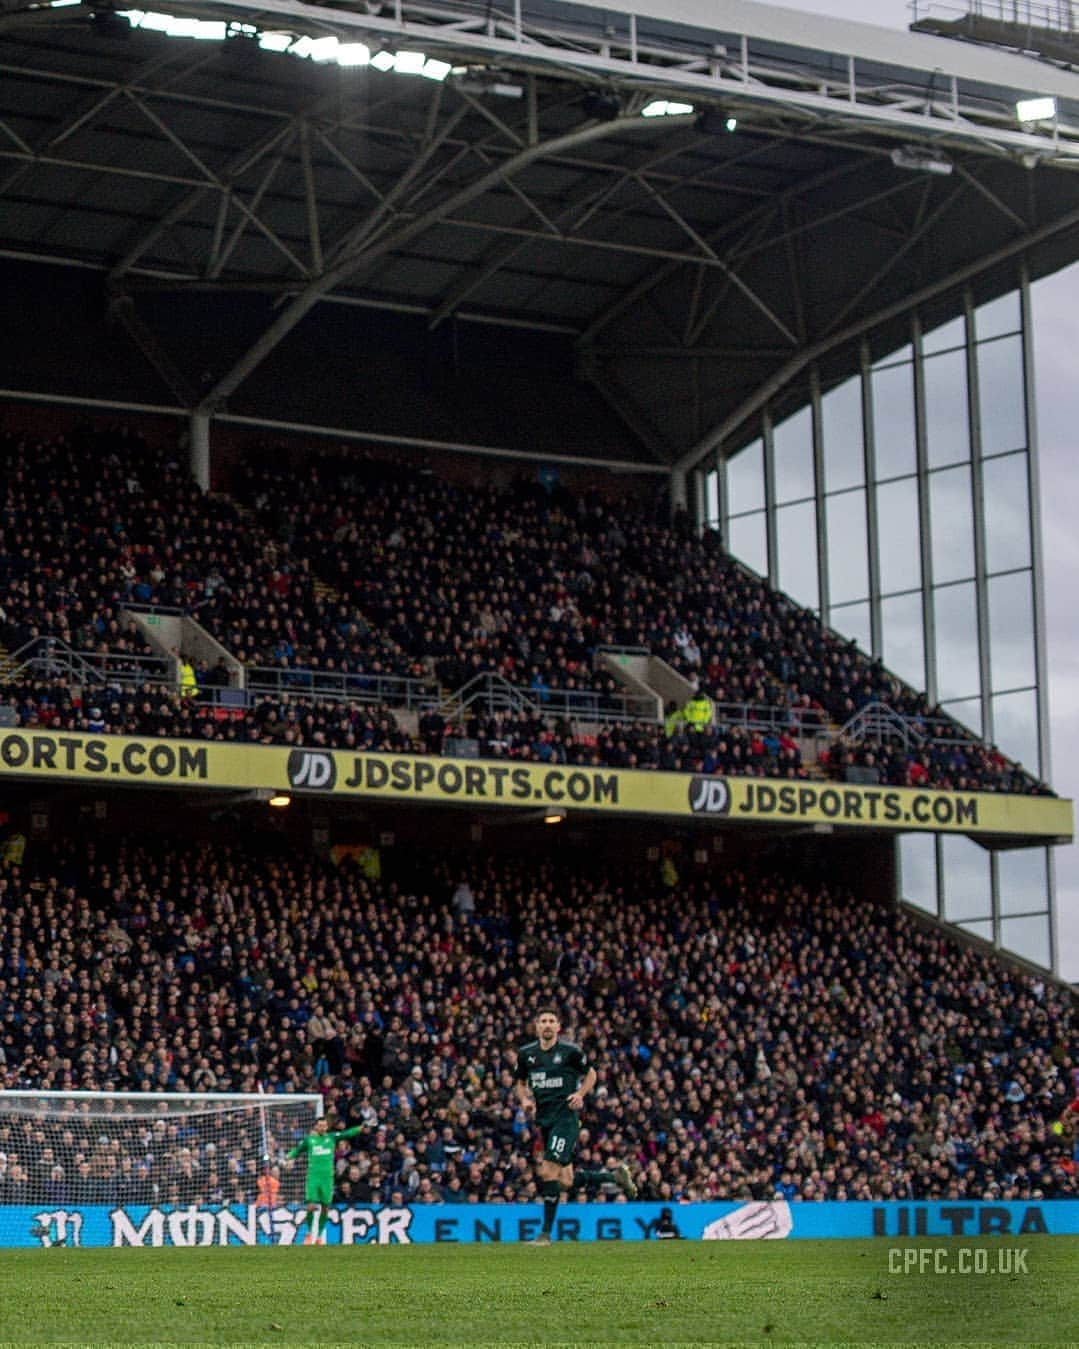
(352, 568)
(758, 1034)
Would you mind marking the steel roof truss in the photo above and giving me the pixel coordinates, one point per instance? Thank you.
(926, 221)
(567, 224)
(213, 180)
(709, 252)
(230, 198)
(244, 160)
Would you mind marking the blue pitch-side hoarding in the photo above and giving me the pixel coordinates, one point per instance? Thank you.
(100, 1225)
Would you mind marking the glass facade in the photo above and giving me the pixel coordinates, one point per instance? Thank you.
(922, 470)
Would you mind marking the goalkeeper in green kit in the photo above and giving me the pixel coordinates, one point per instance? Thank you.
(321, 1148)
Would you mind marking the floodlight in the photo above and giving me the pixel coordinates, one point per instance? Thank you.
(1036, 109)
(383, 60)
(409, 63)
(322, 49)
(353, 54)
(478, 80)
(662, 107)
(206, 30)
(920, 160)
(158, 23)
(435, 70)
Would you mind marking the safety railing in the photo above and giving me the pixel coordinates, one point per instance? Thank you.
(333, 686)
(51, 660)
(494, 695)
(1058, 16)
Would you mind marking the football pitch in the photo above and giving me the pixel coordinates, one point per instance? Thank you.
(660, 1293)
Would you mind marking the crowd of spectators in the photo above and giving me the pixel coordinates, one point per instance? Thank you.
(957, 762)
(527, 582)
(357, 569)
(755, 1035)
(294, 721)
(93, 521)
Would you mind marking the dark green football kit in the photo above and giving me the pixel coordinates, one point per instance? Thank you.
(321, 1150)
(553, 1075)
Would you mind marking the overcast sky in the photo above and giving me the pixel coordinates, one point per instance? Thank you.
(1056, 340)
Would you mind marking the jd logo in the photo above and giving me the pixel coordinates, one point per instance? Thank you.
(310, 768)
(709, 796)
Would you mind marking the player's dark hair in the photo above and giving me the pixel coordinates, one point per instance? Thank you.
(548, 1007)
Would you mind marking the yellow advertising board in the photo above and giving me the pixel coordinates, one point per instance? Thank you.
(407, 777)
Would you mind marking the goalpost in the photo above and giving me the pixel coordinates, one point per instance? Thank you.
(138, 1168)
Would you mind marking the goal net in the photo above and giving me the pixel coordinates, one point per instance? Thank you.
(117, 1157)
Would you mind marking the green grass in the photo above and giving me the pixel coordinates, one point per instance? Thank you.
(825, 1292)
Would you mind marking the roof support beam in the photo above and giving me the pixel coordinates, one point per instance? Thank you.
(576, 214)
(354, 262)
(915, 237)
(747, 224)
(310, 197)
(272, 237)
(706, 248)
(714, 438)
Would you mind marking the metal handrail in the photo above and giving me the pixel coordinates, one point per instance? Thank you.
(769, 717)
(50, 658)
(340, 686)
(877, 722)
(1056, 16)
(496, 695)
(146, 607)
(615, 649)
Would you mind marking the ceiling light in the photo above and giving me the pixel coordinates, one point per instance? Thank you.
(1036, 109)
(554, 815)
(279, 800)
(477, 80)
(206, 30)
(409, 63)
(322, 49)
(662, 107)
(353, 54)
(920, 160)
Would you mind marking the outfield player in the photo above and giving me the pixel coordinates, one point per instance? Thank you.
(321, 1148)
(554, 1077)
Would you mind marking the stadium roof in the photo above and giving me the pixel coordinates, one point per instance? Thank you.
(277, 236)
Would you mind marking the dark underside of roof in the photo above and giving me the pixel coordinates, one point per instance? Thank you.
(440, 268)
